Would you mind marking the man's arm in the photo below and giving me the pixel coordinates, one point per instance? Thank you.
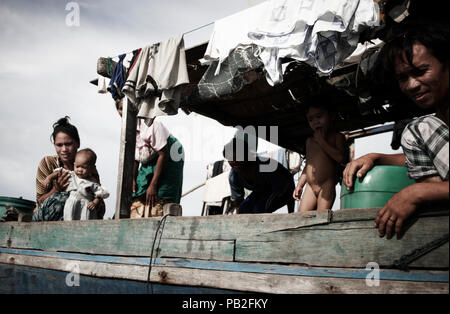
(392, 216)
(363, 164)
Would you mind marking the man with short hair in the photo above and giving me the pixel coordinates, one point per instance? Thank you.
(417, 57)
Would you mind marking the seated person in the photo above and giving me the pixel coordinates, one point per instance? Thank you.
(85, 195)
(271, 190)
(418, 60)
(51, 198)
(325, 150)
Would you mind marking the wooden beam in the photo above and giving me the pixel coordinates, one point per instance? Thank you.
(351, 243)
(345, 239)
(294, 270)
(233, 280)
(126, 161)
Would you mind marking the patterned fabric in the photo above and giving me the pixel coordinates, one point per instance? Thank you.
(45, 168)
(140, 210)
(229, 80)
(52, 209)
(425, 144)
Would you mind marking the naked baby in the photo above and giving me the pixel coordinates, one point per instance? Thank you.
(325, 150)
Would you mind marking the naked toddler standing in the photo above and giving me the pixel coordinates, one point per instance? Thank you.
(325, 150)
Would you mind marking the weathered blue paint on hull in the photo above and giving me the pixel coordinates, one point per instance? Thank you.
(17, 279)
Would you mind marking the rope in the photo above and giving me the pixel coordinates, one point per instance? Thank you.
(403, 262)
(188, 32)
(163, 220)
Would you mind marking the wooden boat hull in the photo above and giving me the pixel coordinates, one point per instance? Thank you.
(318, 252)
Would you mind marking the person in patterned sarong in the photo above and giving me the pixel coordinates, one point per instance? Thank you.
(51, 199)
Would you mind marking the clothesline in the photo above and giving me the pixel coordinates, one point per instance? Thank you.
(185, 33)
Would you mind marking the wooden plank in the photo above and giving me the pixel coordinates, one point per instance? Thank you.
(128, 237)
(277, 238)
(231, 227)
(126, 161)
(264, 283)
(353, 244)
(294, 270)
(356, 214)
(134, 237)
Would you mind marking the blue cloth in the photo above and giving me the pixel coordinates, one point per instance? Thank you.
(271, 190)
(117, 79)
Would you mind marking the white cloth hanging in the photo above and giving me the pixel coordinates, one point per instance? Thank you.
(319, 32)
(322, 33)
(163, 64)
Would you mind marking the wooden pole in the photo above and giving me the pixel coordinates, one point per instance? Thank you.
(126, 161)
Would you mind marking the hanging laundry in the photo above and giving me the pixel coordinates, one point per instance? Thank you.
(133, 60)
(102, 85)
(155, 82)
(318, 32)
(231, 32)
(117, 79)
(230, 79)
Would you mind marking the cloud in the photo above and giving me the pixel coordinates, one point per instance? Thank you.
(45, 69)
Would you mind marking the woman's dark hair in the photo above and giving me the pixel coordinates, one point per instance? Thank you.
(63, 125)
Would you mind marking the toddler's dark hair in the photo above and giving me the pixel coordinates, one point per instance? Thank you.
(90, 153)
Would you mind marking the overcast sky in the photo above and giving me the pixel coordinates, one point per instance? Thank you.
(45, 69)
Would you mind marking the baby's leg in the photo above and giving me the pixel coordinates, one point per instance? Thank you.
(326, 195)
(308, 201)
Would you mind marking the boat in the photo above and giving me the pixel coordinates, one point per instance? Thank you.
(317, 252)
(321, 252)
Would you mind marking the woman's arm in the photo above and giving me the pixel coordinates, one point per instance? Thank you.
(152, 190)
(61, 183)
(135, 174)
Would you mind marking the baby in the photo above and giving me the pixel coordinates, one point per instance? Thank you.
(85, 192)
(325, 150)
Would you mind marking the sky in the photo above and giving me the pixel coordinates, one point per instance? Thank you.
(47, 60)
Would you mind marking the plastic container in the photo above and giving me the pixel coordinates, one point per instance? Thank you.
(25, 207)
(376, 187)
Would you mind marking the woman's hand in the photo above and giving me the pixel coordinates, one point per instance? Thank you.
(62, 181)
(151, 197)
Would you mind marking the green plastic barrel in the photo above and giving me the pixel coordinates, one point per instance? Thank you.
(24, 207)
(376, 187)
